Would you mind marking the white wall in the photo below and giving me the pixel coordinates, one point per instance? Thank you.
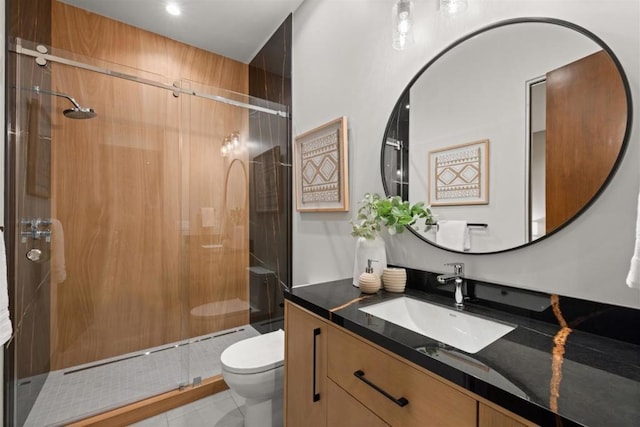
(344, 65)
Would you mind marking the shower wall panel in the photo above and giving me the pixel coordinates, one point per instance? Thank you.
(130, 188)
(270, 78)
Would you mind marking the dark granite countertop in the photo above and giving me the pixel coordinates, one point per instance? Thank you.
(546, 373)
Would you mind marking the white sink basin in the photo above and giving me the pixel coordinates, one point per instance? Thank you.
(453, 327)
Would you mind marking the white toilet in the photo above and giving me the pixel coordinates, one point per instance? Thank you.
(254, 369)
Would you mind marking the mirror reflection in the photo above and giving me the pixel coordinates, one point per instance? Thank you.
(508, 135)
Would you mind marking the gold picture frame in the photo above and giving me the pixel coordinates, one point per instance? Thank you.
(459, 175)
(321, 168)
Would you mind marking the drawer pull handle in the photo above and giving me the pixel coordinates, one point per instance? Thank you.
(400, 402)
(316, 332)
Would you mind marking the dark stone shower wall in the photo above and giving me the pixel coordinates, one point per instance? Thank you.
(270, 188)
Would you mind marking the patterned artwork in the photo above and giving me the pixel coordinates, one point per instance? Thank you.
(459, 175)
(321, 168)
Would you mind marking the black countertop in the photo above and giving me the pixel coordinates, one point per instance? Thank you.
(547, 373)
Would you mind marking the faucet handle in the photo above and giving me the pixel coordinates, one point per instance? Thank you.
(458, 267)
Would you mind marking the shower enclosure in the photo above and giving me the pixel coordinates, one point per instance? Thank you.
(130, 200)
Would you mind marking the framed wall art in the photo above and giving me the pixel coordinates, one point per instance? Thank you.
(459, 175)
(321, 168)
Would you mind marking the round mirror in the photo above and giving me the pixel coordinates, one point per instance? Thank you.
(509, 134)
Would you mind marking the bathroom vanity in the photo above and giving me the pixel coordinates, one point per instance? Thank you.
(346, 367)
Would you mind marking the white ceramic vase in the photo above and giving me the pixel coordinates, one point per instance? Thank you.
(366, 249)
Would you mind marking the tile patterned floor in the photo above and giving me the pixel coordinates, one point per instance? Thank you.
(75, 393)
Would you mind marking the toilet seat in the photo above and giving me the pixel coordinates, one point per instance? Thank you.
(254, 355)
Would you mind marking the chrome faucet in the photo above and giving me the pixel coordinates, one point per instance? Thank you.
(458, 278)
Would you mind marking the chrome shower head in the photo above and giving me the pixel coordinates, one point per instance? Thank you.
(77, 112)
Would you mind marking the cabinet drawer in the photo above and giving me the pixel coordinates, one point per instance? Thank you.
(430, 402)
(345, 411)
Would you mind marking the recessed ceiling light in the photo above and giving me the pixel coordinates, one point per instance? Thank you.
(173, 9)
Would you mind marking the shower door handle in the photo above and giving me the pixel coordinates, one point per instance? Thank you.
(316, 332)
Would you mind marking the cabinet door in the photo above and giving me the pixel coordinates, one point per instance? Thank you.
(490, 417)
(305, 368)
(345, 411)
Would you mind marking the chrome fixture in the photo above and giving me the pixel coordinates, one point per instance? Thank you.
(42, 57)
(35, 229)
(458, 278)
(34, 255)
(77, 112)
(402, 30)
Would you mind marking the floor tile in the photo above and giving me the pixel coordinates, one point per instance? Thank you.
(74, 393)
(240, 401)
(157, 421)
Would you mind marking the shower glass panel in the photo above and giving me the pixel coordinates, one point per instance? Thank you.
(130, 234)
(220, 146)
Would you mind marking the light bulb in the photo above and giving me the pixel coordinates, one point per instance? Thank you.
(173, 9)
(404, 26)
(453, 6)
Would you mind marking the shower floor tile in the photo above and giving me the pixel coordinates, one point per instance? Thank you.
(75, 393)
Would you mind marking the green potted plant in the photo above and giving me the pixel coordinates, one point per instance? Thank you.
(391, 212)
(375, 213)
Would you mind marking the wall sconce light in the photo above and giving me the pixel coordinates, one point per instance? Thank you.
(453, 6)
(402, 30)
(230, 143)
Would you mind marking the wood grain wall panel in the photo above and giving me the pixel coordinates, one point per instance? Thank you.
(82, 32)
(128, 188)
(29, 20)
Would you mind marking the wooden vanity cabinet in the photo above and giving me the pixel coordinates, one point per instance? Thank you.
(305, 373)
(354, 382)
(490, 415)
(343, 410)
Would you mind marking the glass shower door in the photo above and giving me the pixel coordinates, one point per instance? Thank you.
(95, 205)
(132, 232)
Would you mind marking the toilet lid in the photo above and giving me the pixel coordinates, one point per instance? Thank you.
(256, 354)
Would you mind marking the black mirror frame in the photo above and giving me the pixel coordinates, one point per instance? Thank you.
(553, 21)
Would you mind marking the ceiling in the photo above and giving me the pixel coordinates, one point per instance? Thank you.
(233, 28)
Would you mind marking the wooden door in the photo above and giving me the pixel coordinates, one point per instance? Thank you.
(305, 368)
(586, 119)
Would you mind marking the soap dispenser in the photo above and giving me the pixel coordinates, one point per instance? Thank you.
(368, 282)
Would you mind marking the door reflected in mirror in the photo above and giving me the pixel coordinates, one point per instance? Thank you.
(553, 102)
